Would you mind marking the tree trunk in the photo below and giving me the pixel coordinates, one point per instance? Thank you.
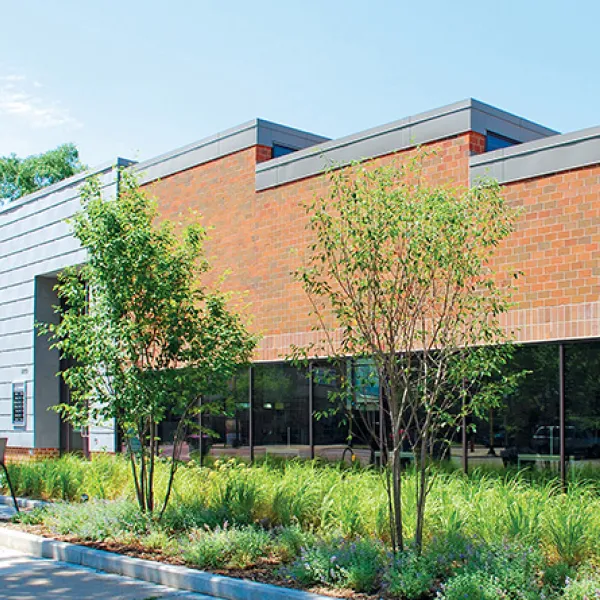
(178, 440)
(151, 457)
(397, 495)
(141, 434)
(138, 491)
(422, 492)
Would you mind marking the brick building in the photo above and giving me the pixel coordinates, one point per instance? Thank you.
(248, 183)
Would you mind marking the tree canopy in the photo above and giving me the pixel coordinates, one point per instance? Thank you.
(400, 273)
(145, 338)
(22, 176)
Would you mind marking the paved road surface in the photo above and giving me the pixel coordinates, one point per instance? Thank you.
(23, 577)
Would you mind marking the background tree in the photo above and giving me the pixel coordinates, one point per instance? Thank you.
(22, 176)
(144, 336)
(399, 273)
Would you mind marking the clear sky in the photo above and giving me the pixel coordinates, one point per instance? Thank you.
(136, 79)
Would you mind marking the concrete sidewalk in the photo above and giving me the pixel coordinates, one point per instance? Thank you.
(25, 578)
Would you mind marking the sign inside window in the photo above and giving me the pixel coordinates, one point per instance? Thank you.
(18, 404)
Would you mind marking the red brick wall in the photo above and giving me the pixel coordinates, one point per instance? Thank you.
(13, 454)
(477, 143)
(260, 237)
(557, 246)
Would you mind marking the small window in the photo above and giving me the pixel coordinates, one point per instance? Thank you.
(19, 409)
(495, 141)
(279, 150)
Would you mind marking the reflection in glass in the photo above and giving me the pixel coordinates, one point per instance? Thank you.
(226, 419)
(280, 405)
(582, 402)
(527, 421)
(330, 426)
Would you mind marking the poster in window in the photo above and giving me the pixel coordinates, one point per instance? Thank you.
(18, 403)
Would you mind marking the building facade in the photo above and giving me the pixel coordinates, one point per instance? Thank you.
(248, 183)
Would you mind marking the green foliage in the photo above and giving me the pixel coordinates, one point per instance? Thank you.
(228, 516)
(569, 525)
(22, 176)
(556, 575)
(96, 520)
(403, 267)
(341, 564)
(236, 548)
(586, 586)
(235, 500)
(143, 337)
(68, 478)
(410, 576)
(472, 586)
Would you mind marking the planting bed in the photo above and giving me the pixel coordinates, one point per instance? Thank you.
(324, 527)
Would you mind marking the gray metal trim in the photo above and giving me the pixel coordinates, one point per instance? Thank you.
(207, 149)
(270, 133)
(542, 157)
(246, 135)
(486, 117)
(437, 124)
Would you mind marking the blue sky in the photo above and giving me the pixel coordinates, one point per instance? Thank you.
(136, 79)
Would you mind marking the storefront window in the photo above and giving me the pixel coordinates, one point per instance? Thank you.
(330, 405)
(582, 403)
(526, 424)
(280, 405)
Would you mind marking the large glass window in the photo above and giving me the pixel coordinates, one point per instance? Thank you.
(526, 424)
(280, 405)
(330, 407)
(225, 424)
(229, 421)
(582, 402)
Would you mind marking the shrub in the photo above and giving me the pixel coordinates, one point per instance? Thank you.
(184, 516)
(410, 576)
(235, 500)
(290, 541)
(555, 576)
(472, 586)
(342, 564)
(223, 547)
(569, 528)
(96, 520)
(586, 586)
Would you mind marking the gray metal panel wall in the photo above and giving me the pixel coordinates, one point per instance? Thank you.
(34, 241)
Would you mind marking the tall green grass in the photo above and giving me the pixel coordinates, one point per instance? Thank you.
(348, 502)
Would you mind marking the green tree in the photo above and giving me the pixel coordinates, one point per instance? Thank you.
(144, 337)
(22, 176)
(399, 273)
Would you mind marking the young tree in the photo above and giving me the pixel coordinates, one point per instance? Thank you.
(399, 272)
(143, 335)
(22, 176)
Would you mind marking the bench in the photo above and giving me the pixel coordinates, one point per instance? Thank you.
(549, 458)
(288, 451)
(3, 442)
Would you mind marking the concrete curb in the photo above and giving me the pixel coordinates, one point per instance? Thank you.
(22, 502)
(173, 576)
